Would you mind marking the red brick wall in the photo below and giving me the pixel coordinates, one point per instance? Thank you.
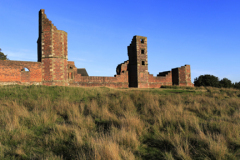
(46, 66)
(182, 76)
(123, 67)
(25, 76)
(185, 76)
(119, 81)
(132, 66)
(10, 71)
(53, 67)
(72, 71)
(157, 82)
(138, 72)
(142, 69)
(175, 76)
(53, 45)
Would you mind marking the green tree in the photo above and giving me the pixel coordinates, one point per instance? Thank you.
(226, 83)
(2, 55)
(206, 80)
(237, 85)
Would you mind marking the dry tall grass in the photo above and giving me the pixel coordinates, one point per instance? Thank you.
(40, 122)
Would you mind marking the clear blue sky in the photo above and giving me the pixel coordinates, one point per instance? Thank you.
(202, 33)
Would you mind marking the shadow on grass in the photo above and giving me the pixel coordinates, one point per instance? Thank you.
(155, 149)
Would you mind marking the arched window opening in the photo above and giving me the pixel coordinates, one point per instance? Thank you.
(25, 69)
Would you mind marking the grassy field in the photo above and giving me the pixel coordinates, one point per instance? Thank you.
(56, 123)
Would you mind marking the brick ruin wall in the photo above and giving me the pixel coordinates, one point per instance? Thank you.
(52, 52)
(138, 62)
(13, 72)
(178, 76)
(185, 76)
(132, 65)
(142, 61)
(53, 67)
(157, 82)
(118, 81)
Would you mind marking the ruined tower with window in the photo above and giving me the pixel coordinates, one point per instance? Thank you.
(53, 67)
(138, 62)
(52, 52)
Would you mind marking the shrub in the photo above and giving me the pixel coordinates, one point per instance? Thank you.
(226, 83)
(237, 85)
(206, 80)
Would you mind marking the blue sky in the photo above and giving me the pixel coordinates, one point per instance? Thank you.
(202, 33)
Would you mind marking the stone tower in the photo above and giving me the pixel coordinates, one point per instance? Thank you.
(52, 52)
(138, 62)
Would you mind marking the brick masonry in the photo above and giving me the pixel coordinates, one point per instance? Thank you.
(15, 72)
(53, 67)
(52, 44)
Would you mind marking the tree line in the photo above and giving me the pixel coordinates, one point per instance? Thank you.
(213, 81)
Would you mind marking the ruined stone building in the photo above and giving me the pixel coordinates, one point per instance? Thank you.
(53, 67)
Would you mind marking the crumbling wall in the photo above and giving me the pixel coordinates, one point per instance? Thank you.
(132, 66)
(182, 76)
(163, 78)
(53, 67)
(12, 72)
(123, 67)
(175, 76)
(72, 71)
(120, 81)
(188, 81)
(138, 62)
(52, 52)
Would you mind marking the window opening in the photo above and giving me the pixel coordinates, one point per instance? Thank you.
(143, 63)
(25, 69)
(142, 51)
(142, 40)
